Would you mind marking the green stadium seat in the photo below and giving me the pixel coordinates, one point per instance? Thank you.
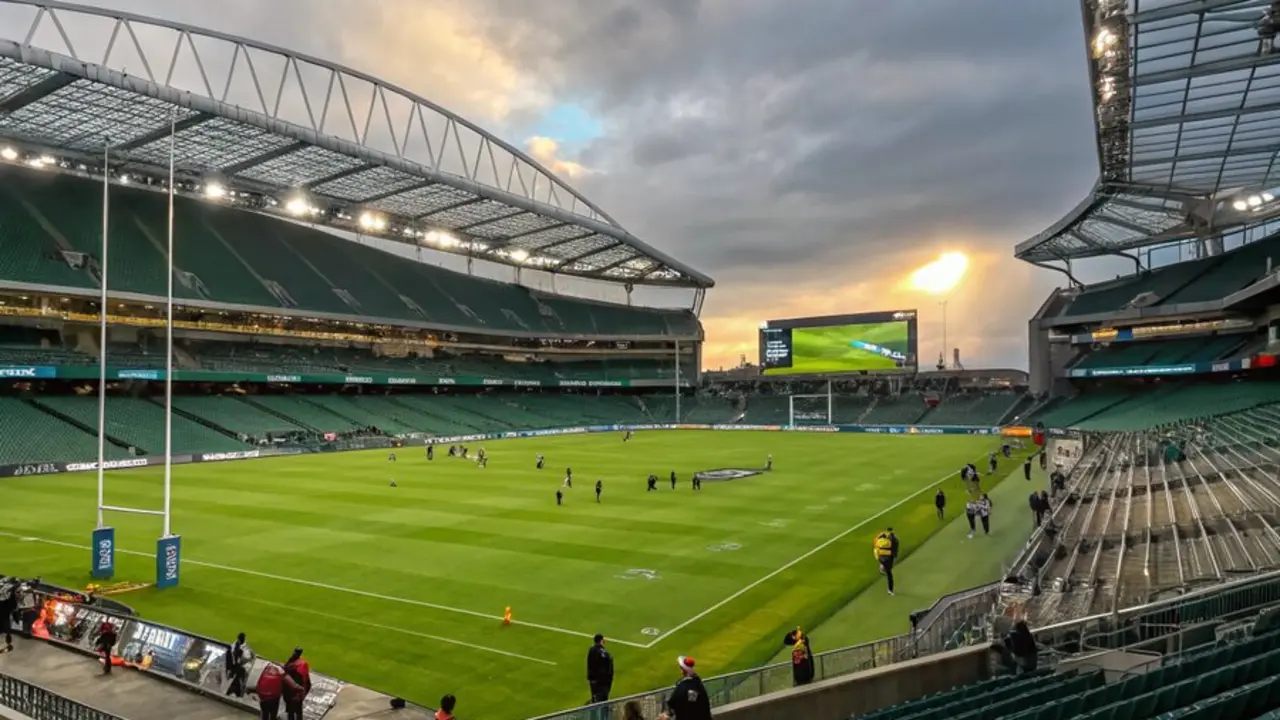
(238, 257)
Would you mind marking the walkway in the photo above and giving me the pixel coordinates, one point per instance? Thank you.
(126, 693)
(946, 563)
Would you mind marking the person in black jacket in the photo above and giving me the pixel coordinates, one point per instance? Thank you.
(1037, 510)
(599, 671)
(940, 502)
(105, 643)
(239, 659)
(801, 657)
(1026, 469)
(1022, 645)
(689, 700)
(8, 606)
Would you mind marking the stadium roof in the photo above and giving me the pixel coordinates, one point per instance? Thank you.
(1186, 96)
(304, 135)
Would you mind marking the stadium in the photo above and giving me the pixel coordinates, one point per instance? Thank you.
(290, 351)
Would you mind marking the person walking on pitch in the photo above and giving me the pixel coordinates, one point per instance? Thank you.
(885, 550)
(599, 489)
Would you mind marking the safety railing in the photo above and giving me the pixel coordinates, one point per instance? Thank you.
(1162, 618)
(42, 704)
(956, 620)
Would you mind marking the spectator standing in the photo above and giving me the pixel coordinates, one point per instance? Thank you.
(599, 670)
(239, 660)
(1037, 509)
(1026, 469)
(801, 657)
(447, 704)
(299, 673)
(8, 606)
(273, 682)
(940, 502)
(689, 700)
(104, 644)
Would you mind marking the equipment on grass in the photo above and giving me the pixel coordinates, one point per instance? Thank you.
(506, 616)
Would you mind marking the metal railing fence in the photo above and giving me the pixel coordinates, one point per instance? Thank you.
(43, 704)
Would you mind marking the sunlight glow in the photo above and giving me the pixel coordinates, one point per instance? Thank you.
(941, 275)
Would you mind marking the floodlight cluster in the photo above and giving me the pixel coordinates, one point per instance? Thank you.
(1252, 203)
(297, 204)
(1110, 54)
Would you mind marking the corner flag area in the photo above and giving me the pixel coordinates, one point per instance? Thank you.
(403, 588)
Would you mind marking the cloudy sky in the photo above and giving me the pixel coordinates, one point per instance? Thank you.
(807, 155)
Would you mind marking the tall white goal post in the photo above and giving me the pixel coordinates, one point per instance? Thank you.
(168, 546)
(811, 409)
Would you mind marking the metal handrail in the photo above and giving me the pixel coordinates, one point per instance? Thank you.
(956, 620)
(40, 703)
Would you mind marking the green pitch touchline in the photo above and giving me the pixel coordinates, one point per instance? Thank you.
(390, 628)
(335, 588)
(793, 563)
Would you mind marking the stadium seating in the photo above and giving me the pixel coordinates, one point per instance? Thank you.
(234, 414)
(234, 256)
(1186, 282)
(979, 409)
(1164, 352)
(1238, 680)
(140, 423)
(904, 409)
(28, 434)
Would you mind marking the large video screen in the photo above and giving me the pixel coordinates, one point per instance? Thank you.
(862, 343)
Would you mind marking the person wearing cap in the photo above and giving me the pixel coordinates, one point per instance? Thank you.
(689, 700)
(300, 673)
(599, 671)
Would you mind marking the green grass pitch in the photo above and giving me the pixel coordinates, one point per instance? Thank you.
(402, 589)
(827, 349)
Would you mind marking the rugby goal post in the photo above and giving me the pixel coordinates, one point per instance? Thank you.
(811, 409)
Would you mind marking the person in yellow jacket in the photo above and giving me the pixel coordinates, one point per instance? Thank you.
(885, 549)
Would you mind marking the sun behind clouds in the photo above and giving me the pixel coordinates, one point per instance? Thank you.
(940, 275)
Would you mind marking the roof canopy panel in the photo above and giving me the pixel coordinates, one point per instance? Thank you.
(1186, 96)
(84, 83)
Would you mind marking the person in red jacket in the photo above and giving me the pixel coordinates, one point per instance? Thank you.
(447, 704)
(300, 674)
(272, 684)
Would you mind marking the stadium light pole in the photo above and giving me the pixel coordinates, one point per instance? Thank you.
(945, 350)
(102, 329)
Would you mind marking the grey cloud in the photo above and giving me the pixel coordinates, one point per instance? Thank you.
(773, 139)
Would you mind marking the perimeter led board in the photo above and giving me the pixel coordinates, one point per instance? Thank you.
(863, 343)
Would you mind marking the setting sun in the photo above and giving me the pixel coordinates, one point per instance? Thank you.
(941, 275)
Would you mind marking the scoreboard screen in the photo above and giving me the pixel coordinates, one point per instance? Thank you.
(866, 342)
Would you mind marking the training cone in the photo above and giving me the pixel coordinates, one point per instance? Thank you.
(506, 616)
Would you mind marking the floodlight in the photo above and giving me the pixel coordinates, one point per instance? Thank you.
(1240, 205)
(1268, 197)
(519, 255)
(297, 206)
(9, 154)
(372, 221)
(214, 191)
(124, 179)
(1254, 201)
(47, 160)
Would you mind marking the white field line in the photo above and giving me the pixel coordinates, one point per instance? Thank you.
(399, 630)
(335, 588)
(793, 563)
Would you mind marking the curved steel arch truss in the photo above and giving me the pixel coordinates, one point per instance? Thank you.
(258, 118)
